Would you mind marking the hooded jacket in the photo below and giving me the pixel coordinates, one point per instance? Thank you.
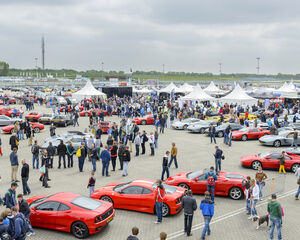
(207, 207)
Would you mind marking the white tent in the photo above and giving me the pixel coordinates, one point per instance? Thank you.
(238, 96)
(287, 90)
(145, 90)
(187, 88)
(213, 89)
(170, 88)
(198, 95)
(88, 91)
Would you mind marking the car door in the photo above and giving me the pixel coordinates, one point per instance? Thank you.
(129, 198)
(199, 184)
(63, 217)
(4, 120)
(253, 133)
(148, 198)
(46, 214)
(272, 161)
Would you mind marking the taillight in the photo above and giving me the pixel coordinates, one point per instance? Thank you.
(97, 219)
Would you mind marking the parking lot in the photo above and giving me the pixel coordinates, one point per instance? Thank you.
(194, 153)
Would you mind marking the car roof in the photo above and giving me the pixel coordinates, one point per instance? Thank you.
(142, 183)
(63, 196)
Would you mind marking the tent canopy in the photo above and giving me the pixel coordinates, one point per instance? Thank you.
(198, 95)
(187, 88)
(213, 89)
(238, 96)
(88, 91)
(170, 88)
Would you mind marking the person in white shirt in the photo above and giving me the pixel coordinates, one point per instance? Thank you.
(254, 198)
(137, 142)
(297, 174)
(151, 142)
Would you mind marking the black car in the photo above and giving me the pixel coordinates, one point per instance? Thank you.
(220, 129)
(62, 120)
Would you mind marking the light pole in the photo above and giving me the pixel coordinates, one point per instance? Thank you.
(36, 66)
(102, 63)
(258, 67)
(220, 68)
(163, 68)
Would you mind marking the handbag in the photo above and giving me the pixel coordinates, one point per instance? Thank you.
(43, 169)
(78, 153)
(223, 157)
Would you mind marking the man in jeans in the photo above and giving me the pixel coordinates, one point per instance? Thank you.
(211, 178)
(254, 197)
(295, 139)
(173, 155)
(212, 131)
(24, 208)
(274, 209)
(260, 177)
(160, 193)
(207, 207)
(105, 157)
(165, 168)
(189, 205)
(25, 176)
(35, 154)
(218, 158)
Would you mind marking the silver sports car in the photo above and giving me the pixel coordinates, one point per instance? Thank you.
(200, 127)
(284, 138)
(5, 120)
(185, 123)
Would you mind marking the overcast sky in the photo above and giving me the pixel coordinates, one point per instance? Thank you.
(185, 35)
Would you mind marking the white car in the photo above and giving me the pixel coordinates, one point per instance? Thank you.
(185, 123)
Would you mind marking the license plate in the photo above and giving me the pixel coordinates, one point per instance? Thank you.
(111, 218)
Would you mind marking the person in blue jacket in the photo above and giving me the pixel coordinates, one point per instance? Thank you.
(207, 207)
(105, 157)
(211, 178)
(10, 196)
(19, 224)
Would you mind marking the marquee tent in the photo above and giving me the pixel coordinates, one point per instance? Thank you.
(187, 88)
(213, 89)
(198, 95)
(287, 90)
(170, 88)
(88, 91)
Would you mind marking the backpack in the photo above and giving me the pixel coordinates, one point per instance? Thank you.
(210, 180)
(5, 236)
(3, 199)
(145, 139)
(78, 153)
(34, 149)
(25, 226)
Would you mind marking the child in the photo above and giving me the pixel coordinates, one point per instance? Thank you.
(92, 181)
(246, 184)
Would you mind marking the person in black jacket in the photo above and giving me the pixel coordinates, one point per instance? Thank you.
(165, 165)
(189, 205)
(126, 160)
(51, 153)
(25, 209)
(61, 150)
(25, 177)
(45, 162)
(212, 131)
(143, 142)
(13, 141)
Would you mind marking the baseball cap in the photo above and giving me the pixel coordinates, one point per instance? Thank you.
(14, 184)
(273, 196)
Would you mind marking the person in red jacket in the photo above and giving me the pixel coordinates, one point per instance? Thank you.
(160, 193)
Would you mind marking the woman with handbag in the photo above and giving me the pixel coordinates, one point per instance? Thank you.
(44, 169)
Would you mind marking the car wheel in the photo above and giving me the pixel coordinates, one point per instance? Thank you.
(184, 185)
(295, 167)
(220, 134)
(235, 193)
(36, 130)
(86, 114)
(185, 127)
(256, 164)
(12, 131)
(165, 210)
(244, 138)
(65, 124)
(277, 143)
(202, 130)
(106, 198)
(143, 122)
(79, 230)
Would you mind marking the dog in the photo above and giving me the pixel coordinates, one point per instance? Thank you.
(261, 220)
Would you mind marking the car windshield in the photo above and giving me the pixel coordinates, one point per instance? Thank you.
(244, 130)
(120, 187)
(186, 120)
(193, 175)
(263, 155)
(86, 203)
(38, 201)
(223, 126)
(168, 188)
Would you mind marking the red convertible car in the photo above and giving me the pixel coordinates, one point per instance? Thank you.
(140, 195)
(147, 120)
(70, 212)
(8, 111)
(104, 126)
(89, 112)
(62, 109)
(37, 127)
(33, 116)
(249, 133)
(271, 160)
(228, 183)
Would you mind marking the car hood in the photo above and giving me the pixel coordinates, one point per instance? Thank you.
(179, 124)
(250, 157)
(271, 138)
(177, 176)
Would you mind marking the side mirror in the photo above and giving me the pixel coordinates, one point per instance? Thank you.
(196, 179)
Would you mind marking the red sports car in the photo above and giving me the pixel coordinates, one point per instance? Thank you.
(37, 127)
(146, 120)
(249, 133)
(33, 116)
(70, 212)
(8, 111)
(140, 195)
(89, 112)
(228, 183)
(62, 109)
(271, 160)
(104, 126)
(10, 101)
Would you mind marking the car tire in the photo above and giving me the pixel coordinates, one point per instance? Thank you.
(294, 167)
(184, 185)
(256, 164)
(86, 114)
(165, 210)
(220, 134)
(80, 230)
(185, 127)
(277, 143)
(202, 130)
(244, 138)
(12, 131)
(235, 193)
(107, 199)
(36, 130)
(65, 124)
(143, 122)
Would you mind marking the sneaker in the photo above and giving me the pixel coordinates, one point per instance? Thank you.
(30, 234)
(156, 222)
(250, 218)
(296, 198)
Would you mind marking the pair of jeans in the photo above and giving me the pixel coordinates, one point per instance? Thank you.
(92, 189)
(162, 129)
(260, 186)
(253, 207)
(175, 161)
(75, 122)
(298, 192)
(59, 160)
(152, 149)
(143, 148)
(105, 166)
(294, 143)
(229, 140)
(22, 134)
(26, 189)
(188, 220)
(275, 222)
(206, 228)
(225, 139)
(121, 162)
(137, 150)
(158, 208)
(156, 143)
(113, 162)
(165, 170)
(125, 166)
(29, 224)
(211, 190)
(51, 161)
(212, 137)
(80, 163)
(70, 160)
(94, 163)
(218, 164)
(248, 208)
(35, 158)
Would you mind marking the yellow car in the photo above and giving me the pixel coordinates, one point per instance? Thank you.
(217, 118)
(250, 116)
